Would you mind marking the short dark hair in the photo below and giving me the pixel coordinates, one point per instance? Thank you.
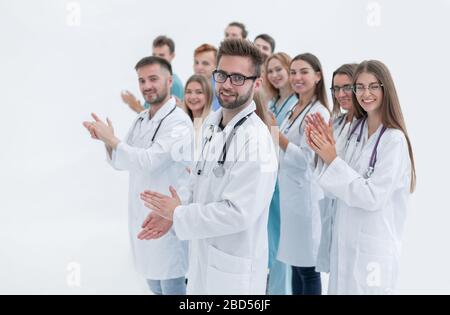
(163, 41)
(241, 26)
(153, 60)
(269, 39)
(241, 48)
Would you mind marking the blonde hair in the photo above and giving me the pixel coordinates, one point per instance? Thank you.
(285, 61)
(207, 90)
(261, 110)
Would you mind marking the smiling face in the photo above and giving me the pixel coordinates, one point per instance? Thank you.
(303, 78)
(344, 98)
(155, 83)
(277, 75)
(195, 97)
(370, 99)
(205, 63)
(231, 96)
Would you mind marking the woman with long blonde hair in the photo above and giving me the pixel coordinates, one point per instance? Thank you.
(198, 95)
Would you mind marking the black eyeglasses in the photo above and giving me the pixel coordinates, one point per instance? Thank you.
(235, 78)
(359, 89)
(347, 89)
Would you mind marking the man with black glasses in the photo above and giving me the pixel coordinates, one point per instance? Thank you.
(225, 218)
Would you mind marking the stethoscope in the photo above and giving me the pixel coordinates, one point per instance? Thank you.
(219, 169)
(291, 112)
(373, 158)
(273, 108)
(342, 123)
(141, 119)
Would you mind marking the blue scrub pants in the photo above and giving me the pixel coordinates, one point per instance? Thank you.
(279, 273)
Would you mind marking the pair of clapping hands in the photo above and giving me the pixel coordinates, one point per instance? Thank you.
(319, 136)
(159, 221)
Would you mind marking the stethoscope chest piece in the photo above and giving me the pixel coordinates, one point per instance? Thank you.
(373, 157)
(219, 171)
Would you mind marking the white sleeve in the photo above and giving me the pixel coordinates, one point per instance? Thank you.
(370, 194)
(177, 134)
(110, 160)
(186, 193)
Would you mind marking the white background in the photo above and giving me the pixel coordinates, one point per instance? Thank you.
(60, 203)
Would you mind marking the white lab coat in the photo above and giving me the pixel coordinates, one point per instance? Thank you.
(155, 167)
(341, 131)
(370, 214)
(299, 195)
(226, 217)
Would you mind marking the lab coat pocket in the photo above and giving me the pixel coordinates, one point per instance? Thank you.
(375, 266)
(227, 274)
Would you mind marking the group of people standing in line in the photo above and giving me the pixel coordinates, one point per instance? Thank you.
(281, 187)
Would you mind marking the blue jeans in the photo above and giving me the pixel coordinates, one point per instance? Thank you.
(168, 287)
(306, 281)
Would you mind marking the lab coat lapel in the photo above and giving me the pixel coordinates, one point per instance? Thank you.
(163, 111)
(215, 146)
(247, 110)
(149, 126)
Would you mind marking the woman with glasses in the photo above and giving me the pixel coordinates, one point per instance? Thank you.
(371, 177)
(277, 82)
(299, 193)
(342, 94)
(342, 120)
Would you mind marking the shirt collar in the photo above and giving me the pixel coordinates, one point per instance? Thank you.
(215, 117)
(162, 112)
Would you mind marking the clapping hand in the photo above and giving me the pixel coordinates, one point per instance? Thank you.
(154, 227)
(319, 136)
